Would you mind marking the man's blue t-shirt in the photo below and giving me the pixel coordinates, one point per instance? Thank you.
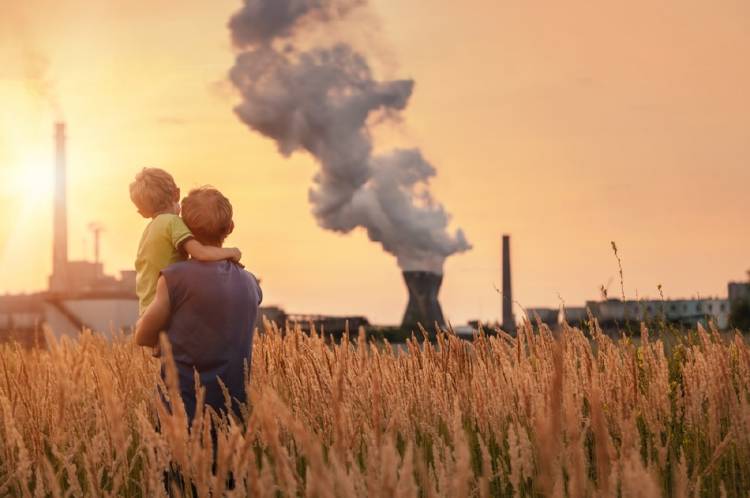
(214, 306)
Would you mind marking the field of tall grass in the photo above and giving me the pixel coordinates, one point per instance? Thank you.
(537, 415)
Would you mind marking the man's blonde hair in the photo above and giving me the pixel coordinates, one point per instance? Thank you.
(208, 214)
(153, 190)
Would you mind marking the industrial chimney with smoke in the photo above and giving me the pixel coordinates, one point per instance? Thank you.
(59, 279)
(320, 95)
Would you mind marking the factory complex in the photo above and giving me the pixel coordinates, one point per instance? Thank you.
(614, 313)
(80, 296)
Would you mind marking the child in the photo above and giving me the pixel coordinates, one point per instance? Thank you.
(166, 239)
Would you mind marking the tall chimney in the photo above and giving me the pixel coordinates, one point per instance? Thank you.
(59, 278)
(509, 322)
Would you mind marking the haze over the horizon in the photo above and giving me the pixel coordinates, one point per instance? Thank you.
(565, 125)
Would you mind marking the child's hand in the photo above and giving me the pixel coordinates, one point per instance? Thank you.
(236, 254)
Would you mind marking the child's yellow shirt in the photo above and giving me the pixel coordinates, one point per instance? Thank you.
(160, 246)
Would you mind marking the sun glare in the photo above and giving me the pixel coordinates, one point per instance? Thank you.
(31, 180)
(26, 190)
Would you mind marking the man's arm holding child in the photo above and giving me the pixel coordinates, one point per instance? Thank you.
(211, 253)
(155, 318)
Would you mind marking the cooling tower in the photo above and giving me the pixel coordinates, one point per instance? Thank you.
(423, 307)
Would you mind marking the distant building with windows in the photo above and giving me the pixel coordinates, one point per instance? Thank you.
(687, 312)
(613, 313)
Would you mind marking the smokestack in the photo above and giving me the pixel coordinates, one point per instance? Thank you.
(58, 280)
(509, 322)
(423, 307)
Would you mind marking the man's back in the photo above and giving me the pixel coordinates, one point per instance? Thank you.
(214, 307)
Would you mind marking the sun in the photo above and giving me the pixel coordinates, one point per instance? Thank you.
(26, 186)
(31, 179)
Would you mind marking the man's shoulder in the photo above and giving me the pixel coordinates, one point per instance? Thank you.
(195, 266)
(222, 276)
(246, 273)
(180, 266)
(254, 282)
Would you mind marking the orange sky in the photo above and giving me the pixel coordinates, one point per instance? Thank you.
(567, 125)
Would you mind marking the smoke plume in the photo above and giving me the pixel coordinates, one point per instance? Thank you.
(24, 59)
(322, 100)
(39, 80)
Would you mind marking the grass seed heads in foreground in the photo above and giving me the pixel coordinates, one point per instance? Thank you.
(528, 416)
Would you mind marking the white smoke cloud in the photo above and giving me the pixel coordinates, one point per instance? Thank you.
(319, 101)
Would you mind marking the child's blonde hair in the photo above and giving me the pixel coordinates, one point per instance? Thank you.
(153, 190)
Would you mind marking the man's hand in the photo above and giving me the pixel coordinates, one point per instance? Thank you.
(155, 318)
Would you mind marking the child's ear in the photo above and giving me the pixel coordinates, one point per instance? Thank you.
(231, 227)
(176, 196)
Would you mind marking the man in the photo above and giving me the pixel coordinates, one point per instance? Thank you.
(207, 309)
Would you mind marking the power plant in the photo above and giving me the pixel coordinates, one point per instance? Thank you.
(81, 295)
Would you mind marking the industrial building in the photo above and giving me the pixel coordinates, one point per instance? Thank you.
(547, 316)
(614, 313)
(320, 323)
(687, 312)
(21, 317)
